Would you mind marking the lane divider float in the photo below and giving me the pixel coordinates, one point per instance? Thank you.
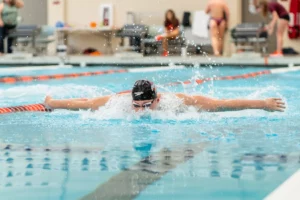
(242, 76)
(234, 77)
(44, 108)
(26, 108)
(16, 79)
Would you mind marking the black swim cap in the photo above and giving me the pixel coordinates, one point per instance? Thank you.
(143, 90)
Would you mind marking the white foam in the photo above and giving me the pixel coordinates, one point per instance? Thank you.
(30, 68)
(284, 70)
(170, 108)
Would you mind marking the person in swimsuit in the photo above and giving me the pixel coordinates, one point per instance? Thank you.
(280, 16)
(144, 96)
(219, 17)
(171, 25)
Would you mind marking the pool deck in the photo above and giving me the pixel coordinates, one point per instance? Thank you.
(129, 60)
(289, 189)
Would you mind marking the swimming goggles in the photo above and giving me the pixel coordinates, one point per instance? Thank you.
(145, 105)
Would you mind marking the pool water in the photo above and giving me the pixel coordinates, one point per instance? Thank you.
(109, 154)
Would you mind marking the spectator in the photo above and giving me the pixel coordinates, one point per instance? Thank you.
(171, 30)
(280, 16)
(8, 20)
(218, 23)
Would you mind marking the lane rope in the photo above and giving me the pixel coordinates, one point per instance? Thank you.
(242, 76)
(26, 108)
(43, 108)
(234, 77)
(16, 79)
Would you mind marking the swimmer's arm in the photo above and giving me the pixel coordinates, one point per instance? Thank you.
(217, 105)
(77, 104)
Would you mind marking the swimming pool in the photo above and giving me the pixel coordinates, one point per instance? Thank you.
(113, 155)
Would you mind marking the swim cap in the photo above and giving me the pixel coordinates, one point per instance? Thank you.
(143, 90)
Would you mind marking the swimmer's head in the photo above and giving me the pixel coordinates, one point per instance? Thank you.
(144, 95)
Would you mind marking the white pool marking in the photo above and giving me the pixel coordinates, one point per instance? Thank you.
(288, 190)
(154, 69)
(286, 69)
(29, 68)
(131, 70)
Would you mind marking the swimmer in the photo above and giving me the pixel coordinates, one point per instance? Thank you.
(219, 17)
(144, 96)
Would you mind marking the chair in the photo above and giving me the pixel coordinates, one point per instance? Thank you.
(41, 41)
(250, 37)
(136, 33)
(28, 32)
(45, 37)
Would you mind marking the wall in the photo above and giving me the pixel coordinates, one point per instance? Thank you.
(82, 12)
(56, 11)
(34, 12)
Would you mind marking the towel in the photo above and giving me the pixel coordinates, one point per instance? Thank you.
(200, 24)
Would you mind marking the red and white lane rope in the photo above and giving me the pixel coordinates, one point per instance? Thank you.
(16, 79)
(242, 76)
(25, 108)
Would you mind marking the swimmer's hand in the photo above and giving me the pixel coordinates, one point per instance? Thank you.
(48, 101)
(274, 104)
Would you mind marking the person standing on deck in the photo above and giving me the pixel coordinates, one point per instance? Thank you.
(280, 16)
(218, 23)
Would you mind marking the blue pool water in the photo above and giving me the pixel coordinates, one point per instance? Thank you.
(109, 155)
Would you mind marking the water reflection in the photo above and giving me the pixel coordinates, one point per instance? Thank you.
(131, 171)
